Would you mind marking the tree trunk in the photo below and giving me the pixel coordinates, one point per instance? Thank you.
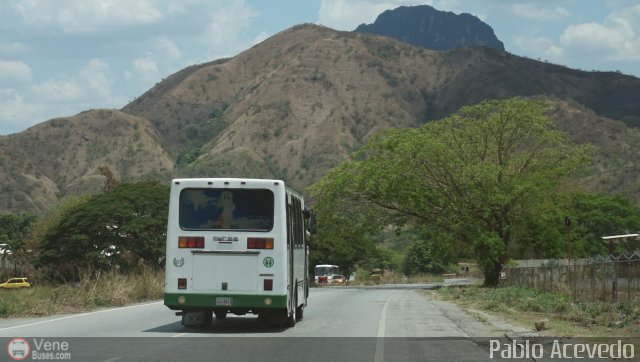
(491, 272)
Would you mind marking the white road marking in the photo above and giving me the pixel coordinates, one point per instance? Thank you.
(78, 315)
(379, 356)
(112, 359)
(383, 319)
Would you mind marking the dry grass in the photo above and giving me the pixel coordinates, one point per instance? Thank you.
(95, 289)
(566, 317)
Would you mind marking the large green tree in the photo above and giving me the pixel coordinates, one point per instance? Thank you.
(484, 177)
(118, 228)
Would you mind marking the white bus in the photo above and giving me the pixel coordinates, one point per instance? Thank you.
(324, 273)
(236, 246)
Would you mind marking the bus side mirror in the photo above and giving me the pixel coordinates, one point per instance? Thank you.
(312, 223)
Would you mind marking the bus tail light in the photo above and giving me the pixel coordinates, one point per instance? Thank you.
(259, 243)
(192, 242)
(182, 283)
(268, 284)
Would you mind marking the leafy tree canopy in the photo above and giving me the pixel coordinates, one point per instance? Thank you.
(482, 177)
(122, 228)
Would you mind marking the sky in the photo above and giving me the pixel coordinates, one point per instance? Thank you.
(61, 57)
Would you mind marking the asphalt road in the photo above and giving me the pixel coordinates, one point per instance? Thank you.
(339, 324)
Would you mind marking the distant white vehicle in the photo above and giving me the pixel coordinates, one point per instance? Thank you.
(324, 273)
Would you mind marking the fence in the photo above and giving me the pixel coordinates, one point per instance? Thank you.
(612, 278)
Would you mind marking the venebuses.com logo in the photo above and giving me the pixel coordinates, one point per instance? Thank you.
(18, 349)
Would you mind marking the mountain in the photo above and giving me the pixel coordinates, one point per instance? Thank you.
(617, 165)
(62, 156)
(427, 27)
(297, 104)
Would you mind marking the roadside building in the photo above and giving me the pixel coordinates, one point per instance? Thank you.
(467, 269)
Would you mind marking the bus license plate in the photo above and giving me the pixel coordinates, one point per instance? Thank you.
(226, 301)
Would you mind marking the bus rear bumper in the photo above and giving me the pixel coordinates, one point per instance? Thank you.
(186, 301)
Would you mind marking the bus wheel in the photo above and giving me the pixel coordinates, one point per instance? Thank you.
(300, 311)
(220, 314)
(290, 319)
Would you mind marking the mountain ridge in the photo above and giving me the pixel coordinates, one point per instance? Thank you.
(297, 104)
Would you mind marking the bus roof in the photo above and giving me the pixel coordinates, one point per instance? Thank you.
(225, 179)
(220, 181)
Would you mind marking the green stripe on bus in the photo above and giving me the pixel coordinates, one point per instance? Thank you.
(209, 300)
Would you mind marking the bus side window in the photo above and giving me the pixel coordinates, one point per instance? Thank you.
(289, 222)
(297, 222)
(313, 228)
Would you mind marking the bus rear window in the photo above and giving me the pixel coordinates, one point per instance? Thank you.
(226, 209)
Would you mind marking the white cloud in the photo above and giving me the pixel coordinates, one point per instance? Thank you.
(94, 77)
(616, 38)
(14, 71)
(77, 16)
(91, 83)
(13, 48)
(589, 38)
(19, 112)
(35, 11)
(554, 52)
(177, 7)
(64, 95)
(168, 49)
(57, 91)
(16, 114)
(10, 102)
(534, 11)
(154, 64)
(146, 67)
(222, 33)
(606, 44)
